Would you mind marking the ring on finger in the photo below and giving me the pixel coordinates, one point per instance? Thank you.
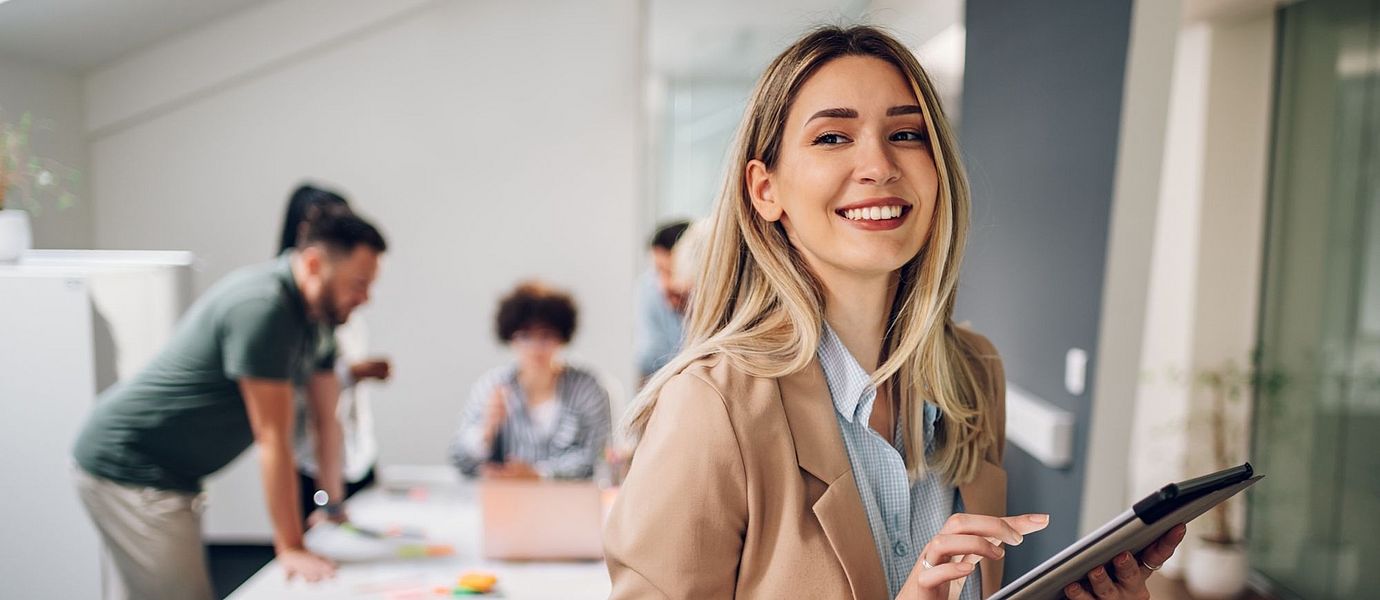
(1151, 567)
(926, 563)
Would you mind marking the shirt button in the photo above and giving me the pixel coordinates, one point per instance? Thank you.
(899, 548)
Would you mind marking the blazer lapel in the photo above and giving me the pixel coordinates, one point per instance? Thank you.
(820, 452)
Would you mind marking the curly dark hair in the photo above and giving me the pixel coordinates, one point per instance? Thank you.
(534, 304)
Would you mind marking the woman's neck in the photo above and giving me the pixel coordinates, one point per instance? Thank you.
(857, 309)
(539, 382)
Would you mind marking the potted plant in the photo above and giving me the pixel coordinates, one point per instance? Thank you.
(28, 181)
(1216, 568)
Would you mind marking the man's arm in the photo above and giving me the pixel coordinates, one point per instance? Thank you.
(323, 396)
(269, 405)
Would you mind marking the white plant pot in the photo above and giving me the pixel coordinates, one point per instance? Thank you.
(15, 235)
(1216, 571)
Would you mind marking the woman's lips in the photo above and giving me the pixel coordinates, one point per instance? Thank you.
(878, 214)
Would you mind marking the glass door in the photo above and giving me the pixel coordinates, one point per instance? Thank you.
(1315, 519)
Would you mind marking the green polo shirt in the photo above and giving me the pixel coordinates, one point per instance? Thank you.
(183, 417)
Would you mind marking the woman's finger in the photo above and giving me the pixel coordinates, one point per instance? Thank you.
(938, 575)
(975, 558)
(981, 525)
(1075, 591)
(1129, 574)
(1027, 523)
(944, 547)
(1160, 550)
(1102, 585)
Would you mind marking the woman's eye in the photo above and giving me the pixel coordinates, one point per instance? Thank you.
(910, 136)
(830, 139)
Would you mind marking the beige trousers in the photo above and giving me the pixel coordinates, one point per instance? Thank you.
(152, 537)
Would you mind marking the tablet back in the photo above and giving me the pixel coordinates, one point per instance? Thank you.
(1127, 532)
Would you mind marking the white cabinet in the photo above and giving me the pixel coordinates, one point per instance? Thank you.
(71, 322)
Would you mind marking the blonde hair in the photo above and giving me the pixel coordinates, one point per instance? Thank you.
(688, 254)
(758, 305)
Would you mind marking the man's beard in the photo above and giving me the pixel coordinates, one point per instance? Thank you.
(330, 313)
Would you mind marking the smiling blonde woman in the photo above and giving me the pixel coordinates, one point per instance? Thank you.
(827, 430)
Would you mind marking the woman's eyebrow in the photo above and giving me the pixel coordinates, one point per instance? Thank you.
(834, 113)
(848, 113)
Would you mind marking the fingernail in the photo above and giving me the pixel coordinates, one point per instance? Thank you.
(1040, 518)
(1019, 538)
(1071, 589)
(1123, 560)
(1000, 553)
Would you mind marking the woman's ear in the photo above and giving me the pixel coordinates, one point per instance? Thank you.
(760, 190)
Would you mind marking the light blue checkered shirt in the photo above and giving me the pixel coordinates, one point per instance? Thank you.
(903, 516)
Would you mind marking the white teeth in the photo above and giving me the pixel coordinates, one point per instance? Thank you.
(872, 213)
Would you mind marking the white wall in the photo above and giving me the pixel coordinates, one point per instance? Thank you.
(1234, 195)
(54, 98)
(490, 140)
(1158, 445)
(1205, 277)
(1144, 115)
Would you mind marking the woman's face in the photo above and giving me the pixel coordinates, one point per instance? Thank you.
(536, 347)
(855, 183)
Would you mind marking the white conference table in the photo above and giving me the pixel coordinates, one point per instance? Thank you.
(433, 500)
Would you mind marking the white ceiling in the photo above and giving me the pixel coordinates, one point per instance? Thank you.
(731, 38)
(734, 39)
(720, 39)
(79, 35)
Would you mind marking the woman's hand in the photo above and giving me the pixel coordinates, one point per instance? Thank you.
(954, 552)
(374, 368)
(498, 412)
(1130, 573)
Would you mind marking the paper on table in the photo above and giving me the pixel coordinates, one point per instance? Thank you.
(344, 543)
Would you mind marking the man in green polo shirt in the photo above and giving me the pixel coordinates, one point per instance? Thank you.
(224, 381)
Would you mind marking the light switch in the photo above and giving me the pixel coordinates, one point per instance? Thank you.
(1075, 371)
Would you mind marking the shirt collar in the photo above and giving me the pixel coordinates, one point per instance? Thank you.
(849, 385)
(283, 269)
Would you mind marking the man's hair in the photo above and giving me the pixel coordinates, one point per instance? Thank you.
(668, 234)
(533, 304)
(341, 232)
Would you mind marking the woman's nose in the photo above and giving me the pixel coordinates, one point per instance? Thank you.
(875, 165)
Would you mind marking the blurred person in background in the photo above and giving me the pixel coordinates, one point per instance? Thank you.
(660, 303)
(224, 381)
(347, 346)
(539, 416)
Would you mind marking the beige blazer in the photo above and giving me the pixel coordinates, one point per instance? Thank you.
(741, 487)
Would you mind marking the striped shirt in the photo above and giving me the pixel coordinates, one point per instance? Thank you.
(902, 515)
(568, 448)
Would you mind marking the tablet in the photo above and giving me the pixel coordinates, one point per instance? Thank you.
(1131, 531)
